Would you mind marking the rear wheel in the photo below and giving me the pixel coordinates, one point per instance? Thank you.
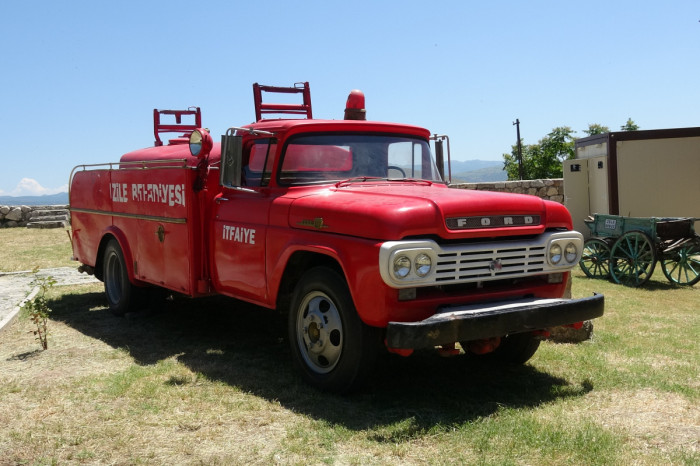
(121, 294)
(332, 347)
(682, 266)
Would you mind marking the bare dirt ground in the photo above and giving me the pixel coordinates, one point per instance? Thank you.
(16, 286)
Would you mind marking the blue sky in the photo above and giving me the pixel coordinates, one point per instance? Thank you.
(80, 79)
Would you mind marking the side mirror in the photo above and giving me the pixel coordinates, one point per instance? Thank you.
(231, 160)
(200, 143)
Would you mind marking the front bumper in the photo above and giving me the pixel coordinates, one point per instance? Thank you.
(475, 322)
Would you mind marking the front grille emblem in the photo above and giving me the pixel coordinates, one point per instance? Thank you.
(494, 221)
(495, 265)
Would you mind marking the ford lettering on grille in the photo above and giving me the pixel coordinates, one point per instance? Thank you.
(491, 221)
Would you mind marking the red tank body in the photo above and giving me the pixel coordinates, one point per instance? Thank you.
(347, 225)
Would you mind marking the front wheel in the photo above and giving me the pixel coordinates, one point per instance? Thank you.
(515, 349)
(333, 348)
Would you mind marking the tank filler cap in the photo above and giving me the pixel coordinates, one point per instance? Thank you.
(355, 106)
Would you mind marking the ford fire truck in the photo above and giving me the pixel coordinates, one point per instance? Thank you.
(347, 226)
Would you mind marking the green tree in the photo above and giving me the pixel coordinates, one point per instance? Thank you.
(544, 159)
(531, 154)
(629, 126)
(595, 128)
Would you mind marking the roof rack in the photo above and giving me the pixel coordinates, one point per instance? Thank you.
(289, 109)
(178, 126)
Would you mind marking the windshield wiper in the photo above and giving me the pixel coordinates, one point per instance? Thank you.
(411, 180)
(360, 179)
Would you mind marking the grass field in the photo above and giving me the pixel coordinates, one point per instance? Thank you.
(210, 382)
(23, 249)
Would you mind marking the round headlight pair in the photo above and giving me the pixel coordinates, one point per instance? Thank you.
(422, 264)
(570, 253)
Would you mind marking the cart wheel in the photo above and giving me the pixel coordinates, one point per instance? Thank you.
(595, 261)
(682, 266)
(632, 259)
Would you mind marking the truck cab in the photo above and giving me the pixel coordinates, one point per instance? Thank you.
(347, 226)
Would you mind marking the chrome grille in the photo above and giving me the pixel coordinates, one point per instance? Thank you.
(478, 262)
(489, 263)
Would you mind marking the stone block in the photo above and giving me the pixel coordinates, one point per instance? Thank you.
(572, 335)
(15, 214)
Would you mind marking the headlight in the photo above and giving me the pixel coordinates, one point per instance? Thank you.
(570, 253)
(423, 265)
(402, 266)
(555, 254)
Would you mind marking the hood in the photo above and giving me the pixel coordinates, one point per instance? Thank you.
(397, 210)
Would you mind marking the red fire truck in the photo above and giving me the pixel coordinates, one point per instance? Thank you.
(345, 225)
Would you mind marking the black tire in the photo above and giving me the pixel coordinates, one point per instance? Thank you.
(333, 348)
(514, 349)
(121, 294)
(517, 348)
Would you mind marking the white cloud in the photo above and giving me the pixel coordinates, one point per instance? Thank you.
(31, 187)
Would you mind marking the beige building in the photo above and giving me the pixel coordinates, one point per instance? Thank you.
(653, 173)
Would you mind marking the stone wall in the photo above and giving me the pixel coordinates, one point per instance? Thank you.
(552, 190)
(22, 216)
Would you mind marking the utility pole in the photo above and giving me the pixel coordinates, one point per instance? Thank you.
(520, 149)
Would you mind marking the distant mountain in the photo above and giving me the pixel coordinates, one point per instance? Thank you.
(471, 165)
(47, 199)
(477, 171)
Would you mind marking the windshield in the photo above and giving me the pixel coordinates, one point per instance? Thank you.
(321, 158)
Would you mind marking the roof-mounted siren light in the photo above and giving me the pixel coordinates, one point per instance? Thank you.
(355, 106)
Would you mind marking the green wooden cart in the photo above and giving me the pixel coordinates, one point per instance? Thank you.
(626, 249)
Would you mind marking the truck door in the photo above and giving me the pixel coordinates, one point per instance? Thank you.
(240, 228)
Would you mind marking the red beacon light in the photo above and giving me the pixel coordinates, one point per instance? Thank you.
(355, 106)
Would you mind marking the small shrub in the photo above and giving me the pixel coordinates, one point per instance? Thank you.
(38, 310)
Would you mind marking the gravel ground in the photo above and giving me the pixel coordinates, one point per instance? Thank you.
(16, 286)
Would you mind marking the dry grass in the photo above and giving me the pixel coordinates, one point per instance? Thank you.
(209, 382)
(23, 249)
(651, 418)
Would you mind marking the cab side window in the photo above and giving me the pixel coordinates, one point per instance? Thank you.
(257, 170)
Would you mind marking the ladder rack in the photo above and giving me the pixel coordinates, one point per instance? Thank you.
(289, 109)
